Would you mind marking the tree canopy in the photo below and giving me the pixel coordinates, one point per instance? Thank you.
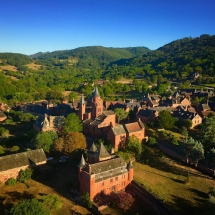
(120, 114)
(72, 123)
(165, 120)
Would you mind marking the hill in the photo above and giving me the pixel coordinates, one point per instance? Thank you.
(92, 56)
(180, 58)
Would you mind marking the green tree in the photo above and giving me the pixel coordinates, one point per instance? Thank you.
(192, 149)
(86, 199)
(27, 117)
(45, 140)
(174, 141)
(28, 207)
(208, 134)
(72, 123)
(152, 141)
(210, 156)
(4, 132)
(184, 132)
(133, 145)
(51, 202)
(24, 175)
(120, 114)
(165, 120)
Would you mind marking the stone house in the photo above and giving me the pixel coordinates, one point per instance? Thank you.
(104, 172)
(185, 115)
(120, 133)
(99, 122)
(10, 165)
(146, 115)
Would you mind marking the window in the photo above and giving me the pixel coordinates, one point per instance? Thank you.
(113, 188)
(123, 176)
(111, 180)
(116, 178)
(123, 183)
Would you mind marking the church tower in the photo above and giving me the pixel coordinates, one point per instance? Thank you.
(82, 108)
(97, 104)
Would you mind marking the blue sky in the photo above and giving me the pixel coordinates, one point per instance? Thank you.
(47, 25)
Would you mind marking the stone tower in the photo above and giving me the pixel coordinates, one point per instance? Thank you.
(82, 108)
(97, 104)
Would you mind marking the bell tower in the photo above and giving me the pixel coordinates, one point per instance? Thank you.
(97, 104)
(82, 108)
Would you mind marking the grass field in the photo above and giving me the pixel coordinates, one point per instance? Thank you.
(33, 66)
(125, 81)
(9, 67)
(12, 194)
(166, 178)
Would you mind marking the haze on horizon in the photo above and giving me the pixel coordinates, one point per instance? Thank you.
(41, 26)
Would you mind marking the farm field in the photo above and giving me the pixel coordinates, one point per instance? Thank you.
(33, 66)
(9, 68)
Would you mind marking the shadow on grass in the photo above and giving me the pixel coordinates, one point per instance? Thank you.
(173, 179)
(199, 193)
(182, 206)
(154, 159)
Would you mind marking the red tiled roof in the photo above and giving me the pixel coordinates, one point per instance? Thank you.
(133, 127)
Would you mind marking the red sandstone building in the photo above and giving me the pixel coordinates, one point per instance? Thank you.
(98, 122)
(10, 165)
(104, 172)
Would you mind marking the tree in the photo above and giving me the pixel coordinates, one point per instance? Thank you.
(208, 134)
(184, 132)
(45, 140)
(193, 149)
(120, 114)
(124, 201)
(58, 144)
(24, 175)
(73, 141)
(86, 199)
(152, 141)
(210, 156)
(174, 141)
(133, 145)
(26, 117)
(28, 207)
(165, 120)
(72, 123)
(51, 202)
(4, 132)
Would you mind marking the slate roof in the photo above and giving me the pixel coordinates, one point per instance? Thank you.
(203, 107)
(184, 114)
(22, 159)
(108, 168)
(102, 152)
(118, 129)
(145, 113)
(82, 162)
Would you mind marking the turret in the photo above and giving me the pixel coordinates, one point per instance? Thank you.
(130, 171)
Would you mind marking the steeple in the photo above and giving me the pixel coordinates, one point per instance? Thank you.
(82, 162)
(82, 102)
(103, 154)
(93, 148)
(96, 92)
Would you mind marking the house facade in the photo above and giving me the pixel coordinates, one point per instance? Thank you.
(10, 165)
(104, 172)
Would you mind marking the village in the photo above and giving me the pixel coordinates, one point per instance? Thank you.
(108, 126)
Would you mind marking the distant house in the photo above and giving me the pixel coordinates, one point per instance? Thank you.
(185, 115)
(104, 172)
(147, 115)
(10, 165)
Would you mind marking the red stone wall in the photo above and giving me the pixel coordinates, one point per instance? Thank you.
(13, 173)
(139, 134)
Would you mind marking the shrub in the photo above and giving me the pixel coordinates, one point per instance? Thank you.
(86, 199)
(2, 150)
(4, 132)
(124, 200)
(14, 149)
(10, 181)
(152, 141)
(24, 175)
(51, 202)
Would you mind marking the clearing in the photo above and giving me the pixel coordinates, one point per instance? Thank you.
(9, 68)
(33, 66)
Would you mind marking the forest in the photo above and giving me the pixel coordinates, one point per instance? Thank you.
(69, 69)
